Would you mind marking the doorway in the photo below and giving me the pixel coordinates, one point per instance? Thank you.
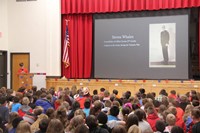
(3, 69)
(16, 59)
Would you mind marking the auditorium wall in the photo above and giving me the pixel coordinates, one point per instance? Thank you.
(3, 25)
(34, 27)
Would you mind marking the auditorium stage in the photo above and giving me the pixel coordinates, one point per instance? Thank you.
(181, 86)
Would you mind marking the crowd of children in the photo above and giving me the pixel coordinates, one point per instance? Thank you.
(72, 110)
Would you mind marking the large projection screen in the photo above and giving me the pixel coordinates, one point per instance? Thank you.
(141, 47)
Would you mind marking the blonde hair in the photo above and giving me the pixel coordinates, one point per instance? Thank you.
(77, 120)
(171, 119)
(23, 127)
(25, 101)
(187, 113)
(80, 112)
(134, 129)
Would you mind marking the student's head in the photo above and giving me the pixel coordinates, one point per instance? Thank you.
(102, 89)
(150, 110)
(44, 124)
(135, 106)
(171, 119)
(142, 90)
(176, 129)
(195, 114)
(55, 126)
(50, 113)
(87, 103)
(106, 93)
(16, 122)
(21, 64)
(108, 103)
(134, 129)
(102, 118)
(75, 105)
(80, 112)
(77, 120)
(163, 92)
(119, 129)
(95, 92)
(115, 92)
(91, 122)
(140, 114)
(132, 120)
(25, 101)
(81, 129)
(15, 99)
(2, 100)
(173, 92)
(114, 111)
(195, 103)
(125, 111)
(23, 127)
(172, 110)
(160, 125)
(38, 110)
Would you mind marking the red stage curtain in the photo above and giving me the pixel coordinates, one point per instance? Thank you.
(80, 50)
(102, 6)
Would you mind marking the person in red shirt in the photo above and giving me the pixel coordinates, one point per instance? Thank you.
(172, 95)
(22, 69)
(152, 117)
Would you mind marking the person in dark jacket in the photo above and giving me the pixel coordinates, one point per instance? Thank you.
(92, 123)
(4, 111)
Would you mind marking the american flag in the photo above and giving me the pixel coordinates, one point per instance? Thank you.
(65, 47)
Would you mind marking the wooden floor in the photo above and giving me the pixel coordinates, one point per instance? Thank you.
(181, 86)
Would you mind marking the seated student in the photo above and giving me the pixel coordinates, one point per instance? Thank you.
(115, 92)
(87, 105)
(81, 129)
(107, 106)
(172, 95)
(74, 122)
(15, 123)
(152, 117)
(196, 120)
(131, 120)
(25, 108)
(143, 125)
(160, 126)
(55, 126)
(171, 120)
(177, 129)
(188, 118)
(119, 129)
(92, 123)
(4, 111)
(114, 112)
(16, 105)
(43, 102)
(103, 119)
(43, 125)
(179, 120)
(134, 129)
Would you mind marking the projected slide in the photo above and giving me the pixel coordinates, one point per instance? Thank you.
(151, 47)
(162, 46)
